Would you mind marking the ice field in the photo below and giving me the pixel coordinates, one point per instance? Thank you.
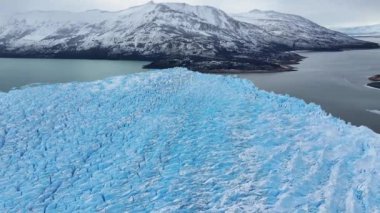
(180, 141)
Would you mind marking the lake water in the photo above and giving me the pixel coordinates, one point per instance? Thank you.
(334, 80)
(15, 73)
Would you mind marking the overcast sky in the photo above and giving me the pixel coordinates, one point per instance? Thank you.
(330, 13)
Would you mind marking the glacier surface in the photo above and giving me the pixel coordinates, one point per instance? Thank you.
(176, 140)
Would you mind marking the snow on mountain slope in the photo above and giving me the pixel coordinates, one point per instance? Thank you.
(298, 32)
(146, 30)
(208, 14)
(176, 140)
(370, 30)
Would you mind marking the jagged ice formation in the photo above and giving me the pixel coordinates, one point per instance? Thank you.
(177, 140)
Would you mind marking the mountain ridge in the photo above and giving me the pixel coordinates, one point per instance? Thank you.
(366, 30)
(298, 32)
(202, 38)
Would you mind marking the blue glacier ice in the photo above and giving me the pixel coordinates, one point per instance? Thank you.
(176, 140)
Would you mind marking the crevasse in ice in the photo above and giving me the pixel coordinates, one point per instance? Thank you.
(176, 140)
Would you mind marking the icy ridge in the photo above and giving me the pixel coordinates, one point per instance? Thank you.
(176, 140)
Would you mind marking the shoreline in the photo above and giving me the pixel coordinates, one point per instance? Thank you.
(374, 85)
(281, 61)
(199, 64)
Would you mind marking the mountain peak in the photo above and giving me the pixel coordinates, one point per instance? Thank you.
(255, 11)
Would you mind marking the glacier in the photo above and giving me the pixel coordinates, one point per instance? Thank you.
(180, 141)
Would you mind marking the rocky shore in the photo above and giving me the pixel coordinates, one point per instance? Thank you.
(374, 85)
(279, 63)
(375, 81)
(375, 78)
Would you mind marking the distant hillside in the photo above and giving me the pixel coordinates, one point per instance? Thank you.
(299, 33)
(370, 30)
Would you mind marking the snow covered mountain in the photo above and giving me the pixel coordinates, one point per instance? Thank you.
(370, 30)
(192, 36)
(144, 31)
(297, 32)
